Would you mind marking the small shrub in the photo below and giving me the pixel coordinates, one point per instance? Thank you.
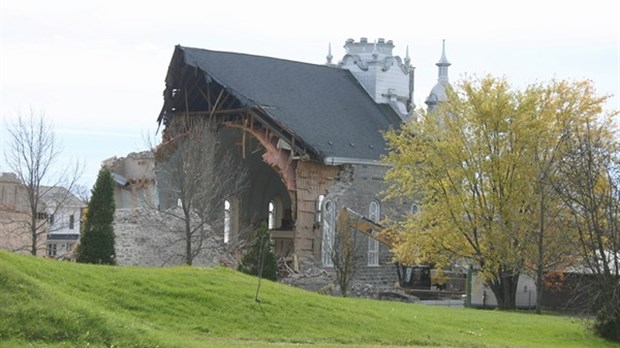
(261, 245)
(607, 325)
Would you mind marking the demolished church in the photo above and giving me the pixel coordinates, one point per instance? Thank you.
(309, 136)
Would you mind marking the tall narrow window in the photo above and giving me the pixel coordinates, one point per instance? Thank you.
(329, 226)
(374, 211)
(71, 221)
(227, 221)
(51, 249)
(272, 215)
(319, 205)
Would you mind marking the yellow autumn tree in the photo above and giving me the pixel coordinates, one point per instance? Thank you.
(558, 107)
(480, 166)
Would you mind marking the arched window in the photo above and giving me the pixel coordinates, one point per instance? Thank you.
(319, 205)
(227, 221)
(374, 212)
(275, 213)
(414, 208)
(329, 229)
(272, 215)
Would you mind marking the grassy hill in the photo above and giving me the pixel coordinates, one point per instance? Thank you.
(46, 303)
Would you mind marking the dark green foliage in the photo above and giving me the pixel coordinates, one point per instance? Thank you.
(261, 246)
(97, 236)
(607, 323)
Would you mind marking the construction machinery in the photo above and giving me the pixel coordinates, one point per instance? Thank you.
(409, 276)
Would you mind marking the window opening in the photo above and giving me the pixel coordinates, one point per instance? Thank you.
(329, 224)
(319, 204)
(227, 221)
(373, 244)
(272, 215)
(51, 249)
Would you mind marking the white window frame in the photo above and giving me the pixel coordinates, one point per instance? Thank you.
(271, 211)
(329, 231)
(52, 249)
(319, 207)
(275, 212)
(227, 221)
(374, 214)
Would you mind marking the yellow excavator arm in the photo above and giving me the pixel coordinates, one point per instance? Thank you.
(353, 220)
(411, 277)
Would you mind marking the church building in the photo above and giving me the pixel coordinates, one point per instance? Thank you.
(309, 136)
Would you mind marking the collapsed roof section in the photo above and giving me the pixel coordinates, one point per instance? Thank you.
(321, 112)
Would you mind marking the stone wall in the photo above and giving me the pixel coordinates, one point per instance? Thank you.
(356, 187)
(147, 237)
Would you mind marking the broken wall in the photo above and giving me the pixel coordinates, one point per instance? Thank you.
(135, 180)
(358, 186)
(313, 180)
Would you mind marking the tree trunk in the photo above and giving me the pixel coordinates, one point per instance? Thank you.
(33, 251)
(540, 262)
(261, 265)
(33, 221)
(188, 241)
(505, 289)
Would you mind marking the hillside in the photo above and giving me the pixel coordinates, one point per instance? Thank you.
(46, 303)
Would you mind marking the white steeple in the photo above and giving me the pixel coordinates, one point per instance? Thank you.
(329, 55)
(443, 64)
(438, 93)
(407, 58)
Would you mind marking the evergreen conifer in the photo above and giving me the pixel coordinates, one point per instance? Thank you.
(262, 247)
(97, 236)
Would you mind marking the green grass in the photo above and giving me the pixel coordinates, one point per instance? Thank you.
(45, 303)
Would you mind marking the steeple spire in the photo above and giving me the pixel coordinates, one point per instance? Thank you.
(443, 64)
(407, 59)
(438, 93)
(329, 54)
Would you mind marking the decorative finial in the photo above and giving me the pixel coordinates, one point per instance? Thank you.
(443, 60)
(329, 54)
(375, 53)
(407, 59)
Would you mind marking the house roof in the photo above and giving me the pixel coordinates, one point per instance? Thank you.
(54, 195)
(325, 107)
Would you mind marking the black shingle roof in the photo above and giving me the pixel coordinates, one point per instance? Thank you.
(325, 107)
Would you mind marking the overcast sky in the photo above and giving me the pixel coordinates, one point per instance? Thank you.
(97, 68)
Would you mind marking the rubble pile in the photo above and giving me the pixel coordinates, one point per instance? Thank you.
(312, 278)
(363, 290)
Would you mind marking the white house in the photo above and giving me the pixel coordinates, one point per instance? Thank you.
(63, 211)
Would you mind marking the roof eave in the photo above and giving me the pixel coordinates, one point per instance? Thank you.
(336, 161)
